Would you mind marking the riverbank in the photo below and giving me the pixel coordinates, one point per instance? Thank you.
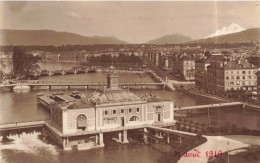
(240, 155)
(213, 143)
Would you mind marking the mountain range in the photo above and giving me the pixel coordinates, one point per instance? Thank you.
(233, 28)
(231, 34)
(247, 35)
(50, 37)
(170, 39)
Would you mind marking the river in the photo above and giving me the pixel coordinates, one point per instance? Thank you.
(22, 106)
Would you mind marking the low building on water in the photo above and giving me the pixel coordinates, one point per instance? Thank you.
(109, 110)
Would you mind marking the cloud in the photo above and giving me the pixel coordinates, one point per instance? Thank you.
(16, 6)
(74, 15)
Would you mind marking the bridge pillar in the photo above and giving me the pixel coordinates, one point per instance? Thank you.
(65, 143)
(31, 87)
(11, 89)
(125, 137)
(101, 141)
(96, 136)
(143, 87)
(180, 140)
(168, 138)
(86, 87)
(49, 87)
(68, 87)
(145, 136)
(120, 136)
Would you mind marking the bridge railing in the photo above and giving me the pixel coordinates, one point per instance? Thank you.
(24, 123)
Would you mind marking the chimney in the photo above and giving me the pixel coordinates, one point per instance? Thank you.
(225, 62)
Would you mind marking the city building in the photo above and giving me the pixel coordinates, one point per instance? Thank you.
(225, 77)
(201, 80)
(105, 110)
(184, 68)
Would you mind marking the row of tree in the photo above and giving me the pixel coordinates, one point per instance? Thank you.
(121, 58)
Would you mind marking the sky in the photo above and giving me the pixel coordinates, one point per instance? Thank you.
(134, 22)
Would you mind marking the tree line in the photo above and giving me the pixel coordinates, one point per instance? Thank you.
(122, 59)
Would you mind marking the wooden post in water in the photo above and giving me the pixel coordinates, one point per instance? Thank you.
(120, 136)
(180, 141)
(168, 138)
(145, 136)
(101, 141)
(125, 137)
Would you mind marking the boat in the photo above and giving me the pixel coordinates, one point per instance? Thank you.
(99, 69)
(57, 72)
(70, 71)
(81, 70)
(44, 73)
(92, 70)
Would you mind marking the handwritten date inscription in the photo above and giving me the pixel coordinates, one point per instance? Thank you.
(197, 153)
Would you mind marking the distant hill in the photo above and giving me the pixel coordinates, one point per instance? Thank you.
(50, 37)
(170, 39)
(239, 37)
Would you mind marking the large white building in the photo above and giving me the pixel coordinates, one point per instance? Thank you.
(110, 108)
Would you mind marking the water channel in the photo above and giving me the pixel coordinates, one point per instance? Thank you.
(22, 106)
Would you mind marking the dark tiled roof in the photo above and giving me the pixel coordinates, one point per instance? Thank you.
(237, 64)
(112, 96)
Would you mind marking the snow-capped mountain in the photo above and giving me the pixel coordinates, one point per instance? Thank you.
(233, 28)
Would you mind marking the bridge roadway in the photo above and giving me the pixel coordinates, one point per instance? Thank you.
(79, 84)
(166, 130)
(209, 106)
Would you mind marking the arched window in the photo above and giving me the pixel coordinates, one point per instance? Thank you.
(134, 118)
(82, 117)
(82, 122)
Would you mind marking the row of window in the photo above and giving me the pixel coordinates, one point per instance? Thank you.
(239, 77)
(241, 83)
(122, 111)
(242, 72)
(242, 88)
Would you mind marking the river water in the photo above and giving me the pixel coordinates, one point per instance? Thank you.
(22, 106)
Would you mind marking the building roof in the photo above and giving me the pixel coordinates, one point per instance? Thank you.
(239, 64)
(211, 59)
(112, 96)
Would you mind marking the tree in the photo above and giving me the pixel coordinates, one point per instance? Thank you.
(18, 55)
(29, 63)
(23, 62)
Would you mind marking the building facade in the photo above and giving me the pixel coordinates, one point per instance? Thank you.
(107, 109)
(201, 77)
(226, 76)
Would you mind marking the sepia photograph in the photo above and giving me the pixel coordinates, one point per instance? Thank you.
(130, 81)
